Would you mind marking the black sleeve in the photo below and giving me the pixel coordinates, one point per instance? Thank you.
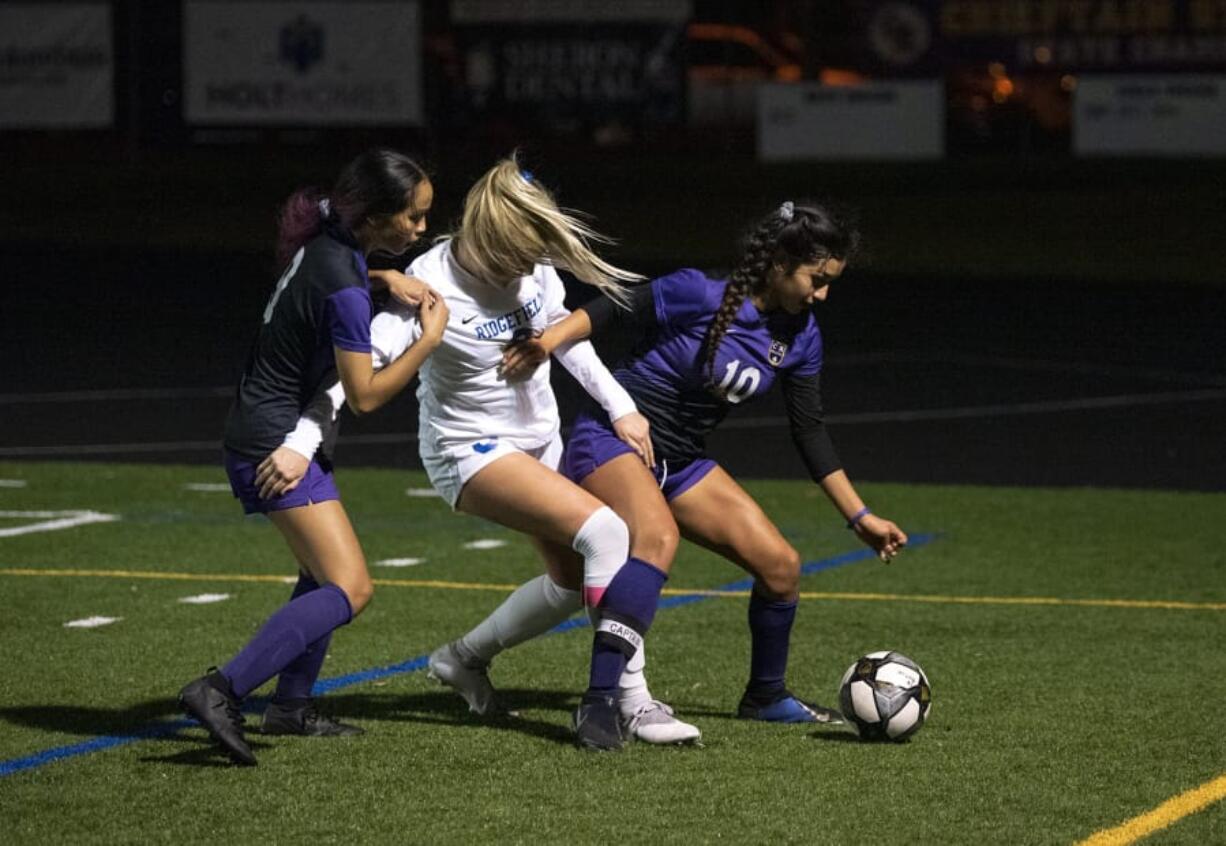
(803, 395)
(639, 319)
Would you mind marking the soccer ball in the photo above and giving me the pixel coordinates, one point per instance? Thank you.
(886, 696)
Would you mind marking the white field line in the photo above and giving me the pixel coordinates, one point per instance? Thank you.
(52, 521)
(965, 412)
(996, 410)
(1009, 362)
(1202, 379)
(116, 395)
(204, 598)
(91, 622)
(485, 543)
(400, 562)
(12, 483)
(207, 487)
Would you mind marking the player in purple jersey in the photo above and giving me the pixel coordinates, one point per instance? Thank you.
(706, 345)
(315, 329)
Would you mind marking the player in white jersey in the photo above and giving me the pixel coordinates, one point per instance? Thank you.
(491, 446)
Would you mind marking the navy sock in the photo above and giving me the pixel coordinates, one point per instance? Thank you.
(626, 611)
(770, 628)
(296, 680)
(286, 635)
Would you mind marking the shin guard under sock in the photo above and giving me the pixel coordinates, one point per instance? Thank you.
(626, 612)
(286, 635)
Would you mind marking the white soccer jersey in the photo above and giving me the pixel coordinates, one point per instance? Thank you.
(462, 394)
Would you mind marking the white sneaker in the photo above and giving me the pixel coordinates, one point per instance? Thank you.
(473, 683)
(654, 722)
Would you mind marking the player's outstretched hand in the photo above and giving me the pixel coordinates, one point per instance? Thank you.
(280, 472)
(433, 313)
(521, 358)
(407, 289)
(886, 539)
(634, 429)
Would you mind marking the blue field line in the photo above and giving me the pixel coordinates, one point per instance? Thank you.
(322, 686)
(108, 741)
(412, 665)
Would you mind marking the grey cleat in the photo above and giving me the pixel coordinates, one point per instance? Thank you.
(471, 682)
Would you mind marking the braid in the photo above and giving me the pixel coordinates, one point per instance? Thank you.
(749, 274)
(788, 236)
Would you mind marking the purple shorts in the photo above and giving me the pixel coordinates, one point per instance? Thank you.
(592, 443)
(316, 486)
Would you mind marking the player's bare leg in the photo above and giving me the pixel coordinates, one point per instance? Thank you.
(719, 514)
(323, 541)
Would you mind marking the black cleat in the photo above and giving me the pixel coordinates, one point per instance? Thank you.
(304, 720)
(218, 713)
(598, 724)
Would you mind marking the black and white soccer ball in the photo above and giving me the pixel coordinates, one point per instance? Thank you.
(886, 696)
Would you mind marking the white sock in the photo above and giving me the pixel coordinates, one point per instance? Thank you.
(632, 692)
(604, 542)
(534, 608)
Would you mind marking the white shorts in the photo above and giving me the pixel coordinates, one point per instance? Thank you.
(450, 468)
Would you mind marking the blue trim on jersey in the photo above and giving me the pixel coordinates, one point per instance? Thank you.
(347, 314)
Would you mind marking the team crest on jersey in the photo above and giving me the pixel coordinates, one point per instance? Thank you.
(776, 353)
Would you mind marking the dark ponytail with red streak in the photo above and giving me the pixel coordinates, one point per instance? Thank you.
(376, 183)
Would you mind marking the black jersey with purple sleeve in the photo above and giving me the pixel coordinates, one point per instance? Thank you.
(321, 301)
(666, 373)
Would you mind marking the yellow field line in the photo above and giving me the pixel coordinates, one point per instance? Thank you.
(238, 577)
(1169, 812)
(827, 595)
(1022, 600)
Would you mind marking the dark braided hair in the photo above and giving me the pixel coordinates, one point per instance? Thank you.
(788, 236)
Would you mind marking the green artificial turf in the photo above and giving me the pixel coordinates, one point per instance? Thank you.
(1049, 721)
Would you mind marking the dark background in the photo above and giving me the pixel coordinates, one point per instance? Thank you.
(1022, 316)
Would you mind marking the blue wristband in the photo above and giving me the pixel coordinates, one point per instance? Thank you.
(854, 520)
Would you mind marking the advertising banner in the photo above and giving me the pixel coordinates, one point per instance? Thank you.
(920, 37)
(569, 65)
(899, 119)
(302, 63)
(56, 66)
(1134, 115)
(1088, 35)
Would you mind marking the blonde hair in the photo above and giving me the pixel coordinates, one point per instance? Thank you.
(511, 222)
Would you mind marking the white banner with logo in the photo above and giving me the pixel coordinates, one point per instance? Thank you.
(1169, 115)
(302, 63)
(57, 66)
(897, 119)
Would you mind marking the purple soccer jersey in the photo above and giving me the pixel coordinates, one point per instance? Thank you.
(321, 302)
(668, 380)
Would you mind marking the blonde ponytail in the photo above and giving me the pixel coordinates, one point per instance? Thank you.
(511, 222)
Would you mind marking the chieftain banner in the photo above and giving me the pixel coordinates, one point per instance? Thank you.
(908, 37)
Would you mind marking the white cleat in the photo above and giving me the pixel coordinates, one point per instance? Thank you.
(654, 723)
(472, 683)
